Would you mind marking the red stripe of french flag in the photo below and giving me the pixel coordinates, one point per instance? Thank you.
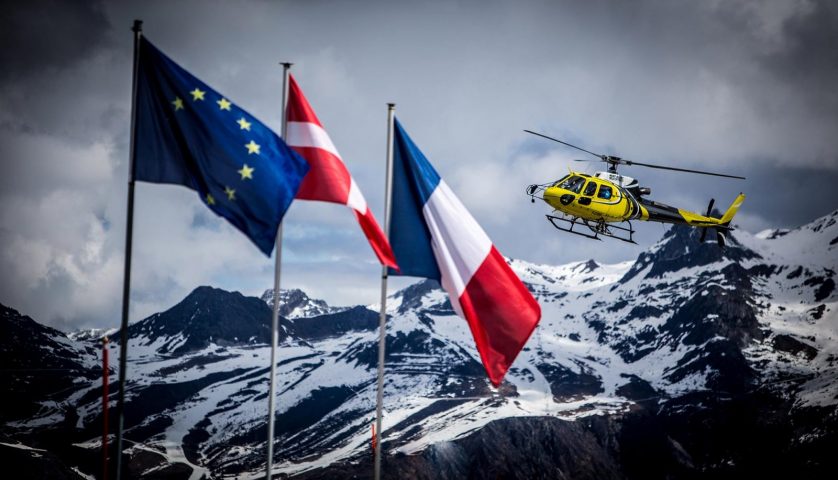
(500, 311)
(328, 180)
(492, 297)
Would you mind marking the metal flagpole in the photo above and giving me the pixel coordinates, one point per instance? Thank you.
(129, 233)
(275, 320)
(382, 320)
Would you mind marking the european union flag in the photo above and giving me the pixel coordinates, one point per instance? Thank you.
(189, 134)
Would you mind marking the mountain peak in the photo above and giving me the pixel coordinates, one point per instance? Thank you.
(587, 267)
(206, 315)
(772, 233)
(91, 334)
(205, 291)
(422, 294)
(681, 247)
(823, 224)
(30, 349)
(295, 303)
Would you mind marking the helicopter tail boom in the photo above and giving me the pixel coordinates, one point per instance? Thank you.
(658, 212)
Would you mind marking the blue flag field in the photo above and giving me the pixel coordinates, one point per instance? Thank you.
(188, 134)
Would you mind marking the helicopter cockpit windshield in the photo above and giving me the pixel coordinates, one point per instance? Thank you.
(559, 182)
(574, 184)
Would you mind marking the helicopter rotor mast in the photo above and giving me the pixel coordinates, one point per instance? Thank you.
(613, 161)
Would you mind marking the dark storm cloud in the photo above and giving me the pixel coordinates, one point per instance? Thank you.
(807, 61)
(788, 196)
(808, 56)
(47, 35)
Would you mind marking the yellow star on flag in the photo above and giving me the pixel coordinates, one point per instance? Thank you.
(246, 172)
(197, 94)
(210, 200)
(224, 104)
(252, 147)
(178, 103)
(243, 124)
(231, 194)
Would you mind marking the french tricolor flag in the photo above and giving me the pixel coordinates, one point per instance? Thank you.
(434, 236)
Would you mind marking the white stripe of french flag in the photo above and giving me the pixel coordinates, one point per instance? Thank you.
(499, 309)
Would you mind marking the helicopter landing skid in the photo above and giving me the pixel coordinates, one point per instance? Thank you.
(598, 228)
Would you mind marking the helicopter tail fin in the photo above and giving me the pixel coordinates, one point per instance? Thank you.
(731, 211)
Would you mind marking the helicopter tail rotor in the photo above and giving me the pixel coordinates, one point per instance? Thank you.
(724, 222)
(704, 230)
(720, 236)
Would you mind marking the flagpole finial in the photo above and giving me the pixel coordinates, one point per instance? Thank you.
(286, 64)
(391, 105)
(138, 26)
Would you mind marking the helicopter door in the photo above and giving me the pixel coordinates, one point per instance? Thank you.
(590, 189)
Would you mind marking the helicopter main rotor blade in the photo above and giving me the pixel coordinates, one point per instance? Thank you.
(564, 143)
(631, 162)
(620, 161)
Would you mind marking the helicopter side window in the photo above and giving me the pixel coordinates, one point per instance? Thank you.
(574, 184)
(604, 192)
(590, 189)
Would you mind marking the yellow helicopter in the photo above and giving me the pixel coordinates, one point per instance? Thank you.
(596, 203)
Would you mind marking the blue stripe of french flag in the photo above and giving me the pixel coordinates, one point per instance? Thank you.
(434, 236)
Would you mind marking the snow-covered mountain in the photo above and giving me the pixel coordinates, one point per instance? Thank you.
(38, 362)
(690, 361)
(91, 334)
(295, 303)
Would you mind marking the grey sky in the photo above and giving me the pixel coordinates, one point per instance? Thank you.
(742, 87)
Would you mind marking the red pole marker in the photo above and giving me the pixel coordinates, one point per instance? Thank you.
(373, 439)
(105, 408)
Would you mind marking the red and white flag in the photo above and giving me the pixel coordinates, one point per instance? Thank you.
(328, 180)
